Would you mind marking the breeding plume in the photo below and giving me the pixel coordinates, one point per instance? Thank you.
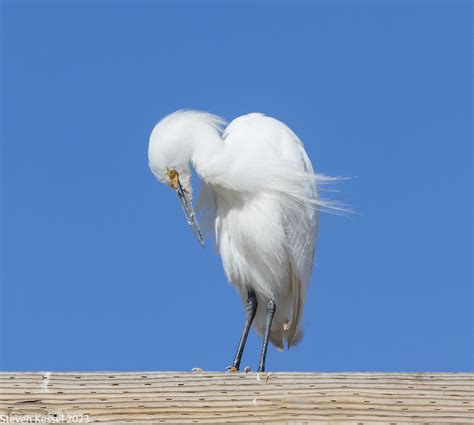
(259, 194)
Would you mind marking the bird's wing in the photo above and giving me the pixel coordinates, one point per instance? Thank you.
(270, 158)
(275, 162)
(301, 222)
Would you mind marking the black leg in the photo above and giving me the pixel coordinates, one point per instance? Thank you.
(271, 308)
(251, 309)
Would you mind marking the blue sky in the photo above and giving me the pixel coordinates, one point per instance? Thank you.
(99, 270)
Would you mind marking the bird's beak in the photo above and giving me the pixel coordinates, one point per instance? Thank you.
(188, 209)
(187, 205)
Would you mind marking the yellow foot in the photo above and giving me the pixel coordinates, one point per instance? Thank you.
(231, 369)
(197, 369)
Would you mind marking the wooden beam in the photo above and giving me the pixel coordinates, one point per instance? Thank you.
(244, 398)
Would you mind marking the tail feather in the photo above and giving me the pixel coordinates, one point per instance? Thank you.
(294, 333)
(276, 338)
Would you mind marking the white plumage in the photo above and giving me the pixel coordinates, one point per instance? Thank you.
(259, 193)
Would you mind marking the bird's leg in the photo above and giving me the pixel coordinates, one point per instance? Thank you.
(271, 308)
(251, 309)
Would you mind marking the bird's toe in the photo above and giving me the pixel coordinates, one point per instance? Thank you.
(197, 369)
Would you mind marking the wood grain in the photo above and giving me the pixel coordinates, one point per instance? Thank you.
(218, 398)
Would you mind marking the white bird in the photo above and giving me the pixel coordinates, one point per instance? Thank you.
(259, 192)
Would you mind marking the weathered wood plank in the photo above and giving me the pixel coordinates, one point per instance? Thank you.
(214, 398)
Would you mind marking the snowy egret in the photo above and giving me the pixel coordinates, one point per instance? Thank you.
(259, 193)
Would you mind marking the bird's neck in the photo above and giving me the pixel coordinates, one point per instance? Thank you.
(208, 154)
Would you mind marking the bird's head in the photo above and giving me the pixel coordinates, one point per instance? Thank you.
(169, 155)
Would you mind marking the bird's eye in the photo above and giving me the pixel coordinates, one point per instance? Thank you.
(173, 176)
